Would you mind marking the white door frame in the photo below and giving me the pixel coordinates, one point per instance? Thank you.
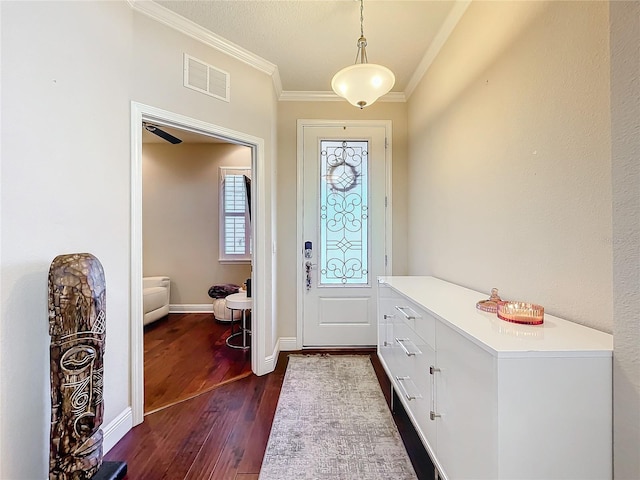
(301, 124)
(140, 113)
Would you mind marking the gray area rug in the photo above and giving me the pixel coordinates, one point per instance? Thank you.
(332, 422)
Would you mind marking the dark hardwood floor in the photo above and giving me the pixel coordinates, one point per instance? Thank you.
(223, 432)
(186, 355)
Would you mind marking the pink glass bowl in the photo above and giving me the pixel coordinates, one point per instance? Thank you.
(521, 312)
(487, 306)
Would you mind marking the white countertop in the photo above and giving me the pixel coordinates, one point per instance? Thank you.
(456, 306)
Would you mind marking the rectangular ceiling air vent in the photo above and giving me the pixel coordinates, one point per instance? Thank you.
(206, 78)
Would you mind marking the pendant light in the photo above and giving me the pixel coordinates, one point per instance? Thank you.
(362, 83)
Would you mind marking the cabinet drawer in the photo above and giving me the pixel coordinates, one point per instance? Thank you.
(413, 358)
(416, 319)
(386, 319)
(416, 400)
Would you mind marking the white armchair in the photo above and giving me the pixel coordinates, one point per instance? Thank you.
(155, 301)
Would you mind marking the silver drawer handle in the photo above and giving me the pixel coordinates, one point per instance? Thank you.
(401, 381)
(410, 353)
(408, 316)
(385, 316)
(432, 414)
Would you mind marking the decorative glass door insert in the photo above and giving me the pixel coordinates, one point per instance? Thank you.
(344, 213)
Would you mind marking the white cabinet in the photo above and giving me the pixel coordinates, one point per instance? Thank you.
(491, 399)
(465, 386)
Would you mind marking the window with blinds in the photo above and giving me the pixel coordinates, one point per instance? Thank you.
(235, 222)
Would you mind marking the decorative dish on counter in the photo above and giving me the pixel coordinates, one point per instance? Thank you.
(521, 312)
(490, 304)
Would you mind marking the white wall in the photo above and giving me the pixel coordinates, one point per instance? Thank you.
(65, 170)
(509, 158)
(69, 73)
(180, 227)
(625, 136)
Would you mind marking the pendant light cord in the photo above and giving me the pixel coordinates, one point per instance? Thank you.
(361, 54)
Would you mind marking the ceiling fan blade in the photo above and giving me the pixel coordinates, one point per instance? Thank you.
(161, 133)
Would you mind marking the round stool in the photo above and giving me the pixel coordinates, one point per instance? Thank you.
(239, 301)
(222, 314)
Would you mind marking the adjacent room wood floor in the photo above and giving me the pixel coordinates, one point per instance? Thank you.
(186, 355)
(223, 432)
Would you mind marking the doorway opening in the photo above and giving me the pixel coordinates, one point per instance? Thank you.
(196, 233)
(169, 120)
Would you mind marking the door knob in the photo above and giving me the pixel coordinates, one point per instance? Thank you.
(308, 266)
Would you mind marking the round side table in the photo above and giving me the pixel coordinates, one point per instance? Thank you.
(239, 301)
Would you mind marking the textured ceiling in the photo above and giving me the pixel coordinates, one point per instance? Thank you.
(310, 40)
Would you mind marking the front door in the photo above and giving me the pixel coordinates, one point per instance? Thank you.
(344, 198)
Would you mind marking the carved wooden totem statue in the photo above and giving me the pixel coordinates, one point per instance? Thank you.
(77, 318)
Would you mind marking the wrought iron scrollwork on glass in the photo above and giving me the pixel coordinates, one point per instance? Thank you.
(344, 212)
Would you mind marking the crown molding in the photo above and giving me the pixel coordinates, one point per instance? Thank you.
(439, 40)
(193, 30)
(277, 83)
(320, 96)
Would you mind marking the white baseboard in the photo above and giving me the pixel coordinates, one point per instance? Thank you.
(269, 364)
(191, 308)
(117, 429)
(284, 344)
(288, 344)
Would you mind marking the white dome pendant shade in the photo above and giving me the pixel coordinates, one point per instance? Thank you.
(362, 83)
